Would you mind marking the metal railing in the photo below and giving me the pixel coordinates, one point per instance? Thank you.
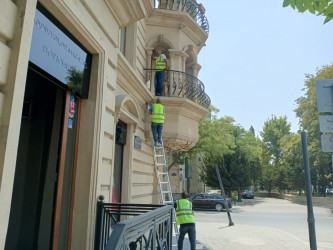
(181, 84)
(195, 10)
(133, 226)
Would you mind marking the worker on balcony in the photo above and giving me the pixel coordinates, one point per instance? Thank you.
(157, 112)
(161, 65)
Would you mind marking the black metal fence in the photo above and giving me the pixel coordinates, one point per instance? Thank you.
(133, 226)
(195, 10)
(181, 84)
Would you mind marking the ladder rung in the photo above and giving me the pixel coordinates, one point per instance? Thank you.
(164, 182)
(159, 155)
(165, 192)
(160, 164)
(162, 173)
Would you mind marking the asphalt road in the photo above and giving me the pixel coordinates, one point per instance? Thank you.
(264, 223)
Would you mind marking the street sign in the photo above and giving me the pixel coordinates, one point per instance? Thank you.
(324, 90)
(327, 143)
(326, 123)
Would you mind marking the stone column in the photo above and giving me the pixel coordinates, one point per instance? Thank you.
(149, 73)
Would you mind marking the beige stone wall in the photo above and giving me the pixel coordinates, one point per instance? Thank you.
(117, 91)
(15, 35)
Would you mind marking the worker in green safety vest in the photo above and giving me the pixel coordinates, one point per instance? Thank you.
(185, 218)
(161, 65)
(157, 112)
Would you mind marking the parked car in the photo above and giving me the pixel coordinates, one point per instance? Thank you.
(209, 201)
(248, 194)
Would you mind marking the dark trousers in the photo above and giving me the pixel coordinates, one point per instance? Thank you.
(157, 131)
(183, 230)
(159, 83)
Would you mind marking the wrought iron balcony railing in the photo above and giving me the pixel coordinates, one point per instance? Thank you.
(133, 226)
(195, 10)
(181, 84)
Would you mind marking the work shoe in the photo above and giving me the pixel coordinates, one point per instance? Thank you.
(157, 144)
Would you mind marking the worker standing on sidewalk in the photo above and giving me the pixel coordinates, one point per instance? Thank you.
(185, 218)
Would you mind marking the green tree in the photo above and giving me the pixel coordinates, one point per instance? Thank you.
(267, 179)
(293, 161)
(317, 7)
(214, 135)
(219, 144)
(250, 146)
(320, 162)
(273, 175)
(274, 129)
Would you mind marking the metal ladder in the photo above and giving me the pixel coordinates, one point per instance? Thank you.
(164, 186)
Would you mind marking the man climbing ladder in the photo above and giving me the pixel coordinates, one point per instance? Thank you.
(157, 112)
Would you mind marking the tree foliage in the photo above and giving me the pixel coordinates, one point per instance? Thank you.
(320, 162)
(273, 173)
(317, 7)
(214, 134)
(274, 129)
(221, 143)
(293, 161)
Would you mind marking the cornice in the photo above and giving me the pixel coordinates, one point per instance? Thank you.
(127, 12)
(178, 20)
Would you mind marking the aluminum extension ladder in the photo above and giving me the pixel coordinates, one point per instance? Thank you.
(164, 186)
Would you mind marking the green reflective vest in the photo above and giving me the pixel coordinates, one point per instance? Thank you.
(184, 212)
(157, 113)
(160, 63)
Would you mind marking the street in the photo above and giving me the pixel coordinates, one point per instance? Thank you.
(264, 223)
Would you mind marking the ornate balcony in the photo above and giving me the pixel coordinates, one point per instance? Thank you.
(195, 10)
(181, 84)
(186, 104)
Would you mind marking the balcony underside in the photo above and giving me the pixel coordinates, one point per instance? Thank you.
(180, 132)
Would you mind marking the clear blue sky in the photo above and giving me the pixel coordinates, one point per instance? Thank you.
(256, 58)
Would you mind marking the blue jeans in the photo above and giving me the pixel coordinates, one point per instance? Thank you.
(156, 128)
(190, 230)
(159, 83)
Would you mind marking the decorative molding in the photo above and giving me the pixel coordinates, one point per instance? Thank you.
(178, 52)
(127, 12)
(175, 19)
(127, 109)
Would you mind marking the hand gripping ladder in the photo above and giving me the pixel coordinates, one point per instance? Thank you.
(164, 186)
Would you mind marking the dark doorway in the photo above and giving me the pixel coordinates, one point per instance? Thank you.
(121, 129)
(36, 182)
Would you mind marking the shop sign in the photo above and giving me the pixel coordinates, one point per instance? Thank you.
(58, 55)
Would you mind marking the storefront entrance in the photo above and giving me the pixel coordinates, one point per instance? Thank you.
(40, 214)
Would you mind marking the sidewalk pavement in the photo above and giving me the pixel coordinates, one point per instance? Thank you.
(212, 236)
(240, 237)
(187, 245)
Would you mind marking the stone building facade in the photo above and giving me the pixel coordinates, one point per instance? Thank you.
(75, 83)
